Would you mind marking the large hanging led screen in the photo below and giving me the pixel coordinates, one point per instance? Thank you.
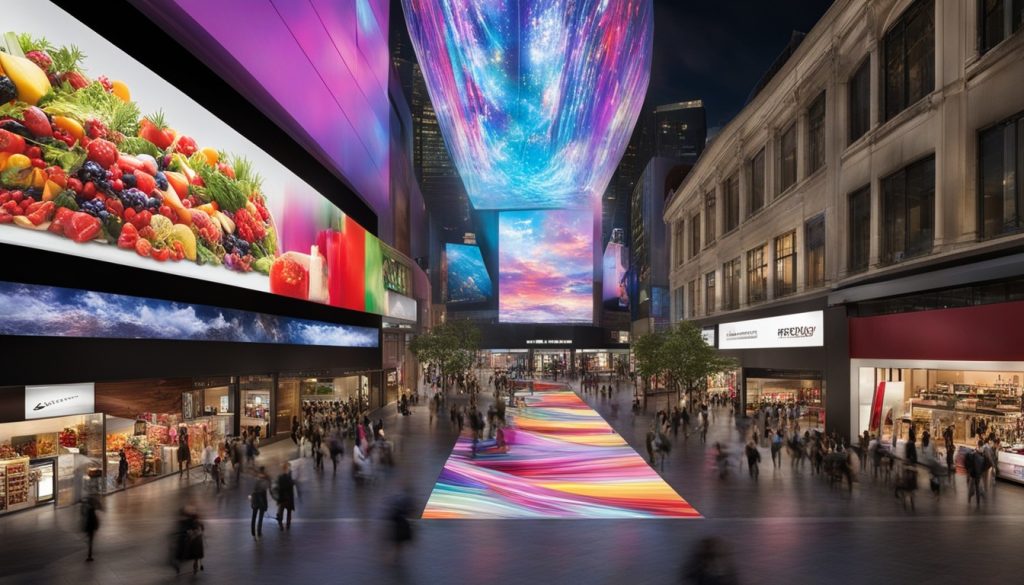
(103, 159)
(468, 280)
(51, 311)
(536, 98)
(546, 266)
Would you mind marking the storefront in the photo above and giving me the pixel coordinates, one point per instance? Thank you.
(506, 359)
(603, 361)
(782, 360)
(960, 369)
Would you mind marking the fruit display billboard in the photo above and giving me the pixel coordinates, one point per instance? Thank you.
(51, 311)
(546, 266)
(468, 280)
(102, 158)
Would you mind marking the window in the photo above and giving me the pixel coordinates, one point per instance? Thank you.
(816, 134)
(678, 238)
(709, 293)
(694, 234)
(757, 274)
(709, 217)
(785, 264)
(1000, 174)
(731, 292)
(909, 58)
(756, 201)
(908, 211)
(814, 243)
(693, 299)
(787, 158)
(859, 228)
(731, 202)
(860, 101)
(998, 19)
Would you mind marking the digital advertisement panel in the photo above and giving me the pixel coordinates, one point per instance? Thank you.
(615, 288)
(796, 330)
(101, 158)
(546, 266)
(51, 311)
(468, 280)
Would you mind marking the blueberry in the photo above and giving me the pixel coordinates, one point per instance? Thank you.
(128, 180)
(161, 180)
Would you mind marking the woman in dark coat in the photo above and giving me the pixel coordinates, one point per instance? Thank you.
(189, 540)
(90, 520)
(285, 497)
(259, 503)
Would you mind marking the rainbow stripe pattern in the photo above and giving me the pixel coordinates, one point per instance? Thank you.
(564, 461)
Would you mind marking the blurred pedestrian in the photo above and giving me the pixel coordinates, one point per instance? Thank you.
(285, 496)
(91, 504)
(753, 460)
(710, 564)
(122, 468)
(398, 516)
(259, 502)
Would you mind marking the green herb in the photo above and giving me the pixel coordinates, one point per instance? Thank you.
(157, 118)
(93, 102)
(262, 265)
(227, 193)
(246, 174)
(67, 58)
(66, 198)
(269, 242)
(69, 160)
(206, 256)
(135, 145)
(14, 110)
(29, 43)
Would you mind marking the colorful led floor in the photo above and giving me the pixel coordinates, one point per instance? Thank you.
(564, 461)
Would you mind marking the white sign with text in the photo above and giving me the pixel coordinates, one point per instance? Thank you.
(59, 400)
(796, 330)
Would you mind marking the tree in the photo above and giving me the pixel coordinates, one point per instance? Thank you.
(688, 360)
(450, 347)
(649, 357)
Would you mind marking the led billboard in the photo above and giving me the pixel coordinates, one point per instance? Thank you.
(546, 266)
(50, 311)
(110, 162)
(468, 280)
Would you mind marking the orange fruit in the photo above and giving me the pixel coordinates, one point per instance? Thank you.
(120, 89)
(211, 155)
(70, 126)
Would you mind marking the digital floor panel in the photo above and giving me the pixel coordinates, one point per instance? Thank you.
(563, 461)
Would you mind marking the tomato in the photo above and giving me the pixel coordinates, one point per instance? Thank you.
(289, 277)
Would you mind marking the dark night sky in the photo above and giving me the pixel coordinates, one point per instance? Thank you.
(716, 50)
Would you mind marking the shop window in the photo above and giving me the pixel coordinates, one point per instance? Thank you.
(997, 20)
(677, 241)
(709, 217)
(731, 278)
(909, 58)
(814, 243)
(802, 399)
(709, 293)
(787, 158)
(757, 274)
(757, 178)
(731, 202)
(816, 134)
(694, 234)
(1000, 174)
(785, 264)
(256, 394)
(908, 211)
(859, 229)
(860, 101)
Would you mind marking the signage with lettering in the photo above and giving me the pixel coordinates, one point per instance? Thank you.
(59, 400)
(549, 342)
(708, 333)
(796, 330)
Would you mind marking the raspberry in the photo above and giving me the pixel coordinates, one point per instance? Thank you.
(103, 152)
(96, 129)
(40, 58)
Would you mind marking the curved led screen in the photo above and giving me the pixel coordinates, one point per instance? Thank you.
(468, 280)
(51, 311)
(134, 172)
(546, 266)
(536, 98)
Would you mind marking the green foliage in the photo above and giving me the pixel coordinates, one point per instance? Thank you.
(451, 347)
(681, 356)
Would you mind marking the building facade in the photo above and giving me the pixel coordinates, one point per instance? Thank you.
(877, 176)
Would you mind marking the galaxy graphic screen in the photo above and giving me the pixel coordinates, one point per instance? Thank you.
(468, 280)
(536, 99)
(546, 266)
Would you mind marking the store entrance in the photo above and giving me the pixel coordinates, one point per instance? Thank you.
(800, 394)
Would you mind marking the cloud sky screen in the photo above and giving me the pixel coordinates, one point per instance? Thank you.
(546, 266)
(536, 98)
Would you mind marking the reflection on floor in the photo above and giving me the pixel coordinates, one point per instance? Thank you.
(564, 461)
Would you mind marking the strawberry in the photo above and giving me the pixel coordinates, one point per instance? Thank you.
(103, 152)
(143, 247)
(42, 213)
(75, 79)
(129, 236)
(142, 219)
(36, 121)
(114, 206)
(186, 146)
(144, 182)
(59, 218)
(96, 129)
(40, 58)
(81, 227)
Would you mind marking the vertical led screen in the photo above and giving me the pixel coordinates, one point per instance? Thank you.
(615, 286)
(113, 163)
(468, 280)
(546, 266)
